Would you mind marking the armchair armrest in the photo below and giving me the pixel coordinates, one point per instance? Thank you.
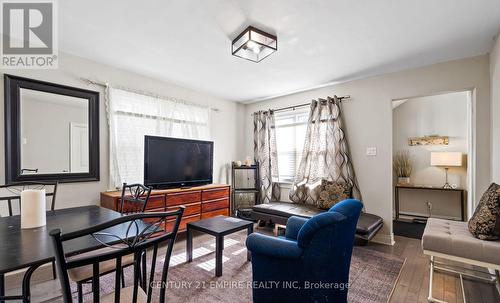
(293, 226)
(273, 247)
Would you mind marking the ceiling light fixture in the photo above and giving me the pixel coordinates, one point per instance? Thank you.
(254, 44)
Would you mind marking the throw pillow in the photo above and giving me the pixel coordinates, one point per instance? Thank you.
(485, 223)
(331, 193)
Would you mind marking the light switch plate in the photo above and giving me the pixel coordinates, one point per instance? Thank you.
(371, 151)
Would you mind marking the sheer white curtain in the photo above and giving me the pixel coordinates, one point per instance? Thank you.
(133, 115)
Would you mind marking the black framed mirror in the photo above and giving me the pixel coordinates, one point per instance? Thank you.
(51, 132)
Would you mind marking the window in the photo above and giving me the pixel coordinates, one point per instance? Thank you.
(291, 127)
(133, 115)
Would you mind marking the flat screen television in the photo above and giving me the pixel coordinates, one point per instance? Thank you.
(173, 162)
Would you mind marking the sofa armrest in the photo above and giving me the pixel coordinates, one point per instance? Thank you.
(293, 226)
(273, 247)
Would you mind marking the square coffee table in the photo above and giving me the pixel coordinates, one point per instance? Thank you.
(218, 227)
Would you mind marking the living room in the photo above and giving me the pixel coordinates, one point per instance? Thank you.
(161, 70)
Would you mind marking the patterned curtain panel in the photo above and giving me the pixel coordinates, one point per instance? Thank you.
(325, 155)
(265, 154)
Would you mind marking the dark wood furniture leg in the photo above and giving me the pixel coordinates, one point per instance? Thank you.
(2, 286)
(462, 205)
(189, 245)
(79, 291)
(396, 203)
(219, 247)
(249, 231)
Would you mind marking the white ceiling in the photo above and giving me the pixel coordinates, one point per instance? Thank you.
(188, 42)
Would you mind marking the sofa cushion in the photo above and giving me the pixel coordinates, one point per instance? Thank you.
(287, 209)
(453, 238)
(485, 222)
(368, 223)
(331, 193)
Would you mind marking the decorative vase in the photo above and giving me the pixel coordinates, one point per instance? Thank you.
(404, 180)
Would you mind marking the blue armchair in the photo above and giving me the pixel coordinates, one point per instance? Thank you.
(311, 263)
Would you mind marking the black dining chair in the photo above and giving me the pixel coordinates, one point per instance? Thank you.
(137, 243)
(11, 195)
(134, 199)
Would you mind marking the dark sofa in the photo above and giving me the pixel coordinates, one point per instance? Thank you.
(279, 212)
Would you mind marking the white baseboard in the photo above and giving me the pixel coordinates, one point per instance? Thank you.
(408, 214)
(386, 239)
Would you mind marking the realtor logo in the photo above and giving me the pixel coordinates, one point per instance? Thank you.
(29, 38)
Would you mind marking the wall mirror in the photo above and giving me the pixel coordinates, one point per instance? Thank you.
(51, 132)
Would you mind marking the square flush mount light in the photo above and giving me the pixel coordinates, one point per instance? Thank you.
(254, 45)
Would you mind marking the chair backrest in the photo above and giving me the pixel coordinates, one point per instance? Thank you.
(11, 193)
(344, 214)
(144, 239)
(134, 198)
(351, 209)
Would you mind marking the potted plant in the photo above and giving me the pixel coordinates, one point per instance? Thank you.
(403, 167)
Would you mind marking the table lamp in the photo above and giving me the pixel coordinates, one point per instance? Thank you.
(446, 160)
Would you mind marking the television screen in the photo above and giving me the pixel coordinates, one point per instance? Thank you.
(173, 162)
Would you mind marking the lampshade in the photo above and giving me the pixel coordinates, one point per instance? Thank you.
(446, 159)
(254, 45)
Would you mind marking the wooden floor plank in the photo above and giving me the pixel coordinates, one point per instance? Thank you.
(458, 289)
(412, 286)
(488, 292)
(418, 273)
(449, 289)
(438, 286)
(472, 292)
(424, 285)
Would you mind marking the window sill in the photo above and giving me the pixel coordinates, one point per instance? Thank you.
(285, 184)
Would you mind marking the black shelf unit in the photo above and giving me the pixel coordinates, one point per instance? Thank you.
(240, 208)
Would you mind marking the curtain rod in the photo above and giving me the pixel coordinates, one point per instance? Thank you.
(106, 85)
(306, 104)
(103, 84)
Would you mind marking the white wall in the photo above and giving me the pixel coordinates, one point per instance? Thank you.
(495, 111)
(368, 116)
(443, 114)
(226, 128)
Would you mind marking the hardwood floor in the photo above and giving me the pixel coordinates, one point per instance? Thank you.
(413, 283)
(412, 286)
